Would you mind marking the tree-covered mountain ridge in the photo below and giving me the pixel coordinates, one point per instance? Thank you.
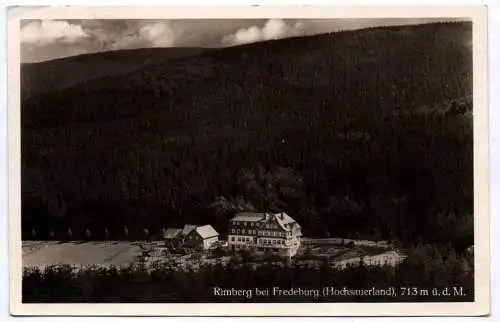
(331, 124)
(62, 73)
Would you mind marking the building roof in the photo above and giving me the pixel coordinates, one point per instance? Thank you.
(206, 231)
(283, 219)
(187, 229)
(248, 216)
(172, 233)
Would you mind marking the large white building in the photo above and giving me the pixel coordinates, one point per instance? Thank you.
(278, 233)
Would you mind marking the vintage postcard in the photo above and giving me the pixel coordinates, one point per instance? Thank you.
(238, 161)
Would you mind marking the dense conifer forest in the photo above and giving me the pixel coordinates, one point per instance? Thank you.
(362, 133)
(58, 74)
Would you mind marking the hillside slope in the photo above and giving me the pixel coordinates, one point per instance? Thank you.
(325, 121)
(58, 74)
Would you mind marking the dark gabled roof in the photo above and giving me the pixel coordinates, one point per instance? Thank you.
(187, 229)
(172, 233)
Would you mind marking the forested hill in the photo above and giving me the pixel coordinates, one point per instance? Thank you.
(58, 74)
(327, 123)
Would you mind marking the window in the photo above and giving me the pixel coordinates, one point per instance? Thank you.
(245, 223)
(237, 231)
(233, 230)
(232, 238)
(251, 224)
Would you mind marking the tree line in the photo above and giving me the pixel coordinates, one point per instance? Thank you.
(427, 267)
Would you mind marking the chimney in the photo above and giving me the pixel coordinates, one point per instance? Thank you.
(265, 216)
(282, 216)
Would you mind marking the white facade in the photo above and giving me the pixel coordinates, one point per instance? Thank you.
(207, 243)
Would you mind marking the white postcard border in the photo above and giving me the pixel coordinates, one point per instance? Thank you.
(477, 14)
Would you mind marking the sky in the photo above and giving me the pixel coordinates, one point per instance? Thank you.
(43, 40)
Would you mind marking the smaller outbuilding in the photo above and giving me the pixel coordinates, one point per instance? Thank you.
(202, 237)
(193, 236)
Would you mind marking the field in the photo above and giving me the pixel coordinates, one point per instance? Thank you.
(43, 254)
(313, 252)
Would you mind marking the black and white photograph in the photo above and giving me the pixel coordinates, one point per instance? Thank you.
(233, 159)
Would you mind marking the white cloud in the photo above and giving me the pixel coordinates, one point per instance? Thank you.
(131, 34)
(51, 31)
(273, 29)
(159, 34)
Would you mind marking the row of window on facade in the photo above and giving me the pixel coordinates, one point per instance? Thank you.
(251, 224)
(260, 232)
(261, 241)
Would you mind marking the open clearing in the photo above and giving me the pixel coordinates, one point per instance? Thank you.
(43, 254)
